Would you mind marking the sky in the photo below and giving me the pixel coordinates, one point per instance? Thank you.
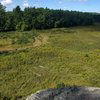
(78, 5)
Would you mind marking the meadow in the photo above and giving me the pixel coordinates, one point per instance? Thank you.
(68, 55)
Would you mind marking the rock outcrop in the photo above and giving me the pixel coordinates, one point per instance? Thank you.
(67, 93)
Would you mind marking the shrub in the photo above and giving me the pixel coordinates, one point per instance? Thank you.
(33, 33)
(3, 97)
(86, 55)
(57, 24)
(22, 40)
(13, 41)
(22, 26)
(61, 85)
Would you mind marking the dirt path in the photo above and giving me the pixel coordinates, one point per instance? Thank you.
(39, 40)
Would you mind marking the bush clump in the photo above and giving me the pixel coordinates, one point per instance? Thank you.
(60, 85)
(22, 26)
(21, 40)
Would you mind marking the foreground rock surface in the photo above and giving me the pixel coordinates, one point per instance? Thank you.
(67, 93)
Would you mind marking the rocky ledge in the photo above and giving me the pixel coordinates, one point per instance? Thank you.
(67, 93)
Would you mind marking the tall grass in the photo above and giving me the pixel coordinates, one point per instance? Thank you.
(72, 57)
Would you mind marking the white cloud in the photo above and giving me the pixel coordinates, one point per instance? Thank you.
(5, 2)
(25, 3)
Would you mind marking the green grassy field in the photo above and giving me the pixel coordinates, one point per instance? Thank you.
(70, 56)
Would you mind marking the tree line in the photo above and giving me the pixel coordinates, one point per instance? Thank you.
(43, 18)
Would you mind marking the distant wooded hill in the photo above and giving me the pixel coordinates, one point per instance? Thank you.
(43, 18)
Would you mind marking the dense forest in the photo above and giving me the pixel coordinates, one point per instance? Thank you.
(43, 18)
